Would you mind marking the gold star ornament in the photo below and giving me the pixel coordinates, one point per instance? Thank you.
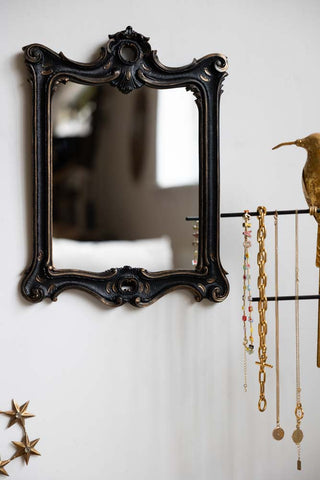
(26, 449)
(18, 414)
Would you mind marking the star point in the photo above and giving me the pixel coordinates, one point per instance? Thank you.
(3, 471)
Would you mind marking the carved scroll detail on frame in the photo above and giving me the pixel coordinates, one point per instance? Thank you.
(127, 62)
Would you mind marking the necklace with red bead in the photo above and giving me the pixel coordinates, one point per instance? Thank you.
(248, 346)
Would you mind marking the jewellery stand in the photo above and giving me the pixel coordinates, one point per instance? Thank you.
(280, 212)
(285, 297)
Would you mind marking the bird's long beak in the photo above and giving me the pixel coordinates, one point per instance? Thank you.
(285, 143)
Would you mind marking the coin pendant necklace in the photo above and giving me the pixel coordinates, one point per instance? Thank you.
(278, 432)
(297, 435)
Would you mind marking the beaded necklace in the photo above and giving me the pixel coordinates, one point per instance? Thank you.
(246, 295)
(195, 243)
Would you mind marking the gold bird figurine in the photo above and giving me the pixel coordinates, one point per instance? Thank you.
(311, 190)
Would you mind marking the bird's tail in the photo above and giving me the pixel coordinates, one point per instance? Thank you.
(318, 265)
(318, 248)
(318, 342)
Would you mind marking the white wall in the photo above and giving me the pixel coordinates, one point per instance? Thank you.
(157, 393)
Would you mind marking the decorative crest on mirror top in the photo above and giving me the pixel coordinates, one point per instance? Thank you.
(127, 62)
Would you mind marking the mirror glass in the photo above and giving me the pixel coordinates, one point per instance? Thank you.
(125, 176)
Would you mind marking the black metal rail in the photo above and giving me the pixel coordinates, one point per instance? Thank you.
(280, 212)
(255, 214)
(289, 297)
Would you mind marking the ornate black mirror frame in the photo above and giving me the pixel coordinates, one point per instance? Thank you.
(126, 62)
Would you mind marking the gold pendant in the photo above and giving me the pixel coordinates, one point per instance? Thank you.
(297, 436)
(278, 433)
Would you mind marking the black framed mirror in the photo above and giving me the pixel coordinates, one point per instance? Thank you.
(115, 175)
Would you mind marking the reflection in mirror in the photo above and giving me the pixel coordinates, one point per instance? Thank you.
(125, 175)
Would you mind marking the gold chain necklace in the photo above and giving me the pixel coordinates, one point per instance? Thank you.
(278, 432)
(297, 435)
(262, 307)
